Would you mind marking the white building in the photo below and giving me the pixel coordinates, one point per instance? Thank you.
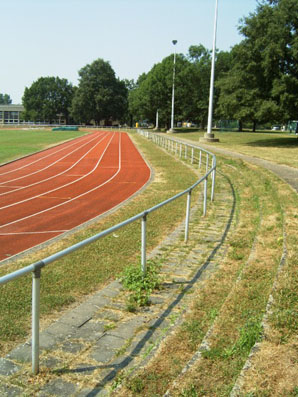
(10, 114)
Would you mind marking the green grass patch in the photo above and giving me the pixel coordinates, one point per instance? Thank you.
(277, 147)
(18, 143)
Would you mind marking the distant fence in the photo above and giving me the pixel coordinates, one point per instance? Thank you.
(194, 154)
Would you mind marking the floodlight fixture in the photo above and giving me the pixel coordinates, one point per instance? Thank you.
(173, 88)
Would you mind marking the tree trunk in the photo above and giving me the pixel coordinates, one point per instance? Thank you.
(254, 126)
(240, 126)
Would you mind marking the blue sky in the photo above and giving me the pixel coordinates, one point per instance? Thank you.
(59, 37)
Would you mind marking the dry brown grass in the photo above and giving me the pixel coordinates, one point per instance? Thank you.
(273, 370)
(237, 304)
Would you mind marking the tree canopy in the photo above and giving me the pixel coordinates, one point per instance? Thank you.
(100, 95)
(153, 91)
(5, 99)
(262, 84)
(48, 99)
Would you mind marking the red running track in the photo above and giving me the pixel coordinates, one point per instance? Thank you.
(51, 192)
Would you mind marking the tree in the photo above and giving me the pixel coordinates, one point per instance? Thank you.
(154, 91)
(263, 82)
(100, 95)
(48, 99)
(5, 99)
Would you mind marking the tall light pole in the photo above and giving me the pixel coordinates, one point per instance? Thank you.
(209, 137)
(173, 88)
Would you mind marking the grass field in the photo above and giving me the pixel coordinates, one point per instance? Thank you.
(19, 142)
(231, 303)
(281, 148)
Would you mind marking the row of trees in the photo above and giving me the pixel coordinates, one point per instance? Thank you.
(256, 82)
(99, 96)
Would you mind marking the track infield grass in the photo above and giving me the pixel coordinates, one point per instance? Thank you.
(22, 142)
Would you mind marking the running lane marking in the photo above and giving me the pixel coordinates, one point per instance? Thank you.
(53, 176)
(42, 232)
(62, 186)
(79, 196)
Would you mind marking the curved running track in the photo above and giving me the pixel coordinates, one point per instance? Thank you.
(51, 192)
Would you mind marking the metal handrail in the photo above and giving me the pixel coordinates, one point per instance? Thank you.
(35, 268)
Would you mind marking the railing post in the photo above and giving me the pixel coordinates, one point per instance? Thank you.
(187, 216)
(205, 197)
(200, 159)
(213, 180)
(207, 162)
(35, 319)
(192, 150)
(143, 248)
(176, 148)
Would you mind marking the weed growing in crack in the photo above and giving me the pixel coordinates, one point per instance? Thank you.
(140, 285)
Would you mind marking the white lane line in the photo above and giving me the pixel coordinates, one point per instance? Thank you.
(59, 187)
(48, 166)
(42, 158)
(80, 195)
(42, 232)
(7, 187)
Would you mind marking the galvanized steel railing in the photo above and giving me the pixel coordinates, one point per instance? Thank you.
(173, 145)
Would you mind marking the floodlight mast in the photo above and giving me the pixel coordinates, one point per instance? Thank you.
(209, 137)
(173, 87)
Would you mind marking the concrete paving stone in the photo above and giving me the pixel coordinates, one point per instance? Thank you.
(110, 341)
(117, 306)
(106, 347)
(49, 362)
(10, 391)
(58, 387)
(108, 315)
(21, 353)
(91, 331)
(92, 393)
(71, 347)
(137, 344)
(128, 329)
(117, 285)
(49, 341)
(85, 368)
(102, 354)
(78, 316)
(8, 367)
(60, 329)
(180, 280)
(110, 292)
(98, 300)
